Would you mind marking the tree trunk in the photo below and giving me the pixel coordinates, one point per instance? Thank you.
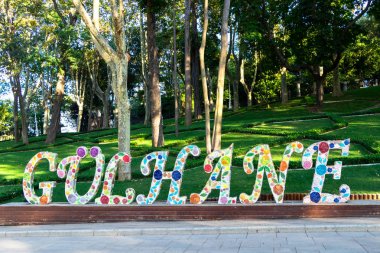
(217, 133)
(15, 113)
(284, 87)
(22, 105)
(188, 90)
(56, 109)
(144, 71)
(235, 86)
(299, 90)
(210, 89)
(119, 79)
(80, 92)
(204, 79)
(195, 61)
(117, 59)
(337, 91)
(175, 80)
(106, 108)
(154, 91)
(89, 122)
(319, 80)
(249, 97)
(46, 92)
(46, 117)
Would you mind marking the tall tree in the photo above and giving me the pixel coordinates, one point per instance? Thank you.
(315, 34)
(204, 78)
(154, 84)
(79, 93)
(144, 70)
(284, 86)
(188, 90)
(195, 60)
(249, 88)
(117, 60)
(65, 36)
(175, 80)
(217, 133)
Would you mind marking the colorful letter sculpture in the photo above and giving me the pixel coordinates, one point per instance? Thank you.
(106, 197)
(71, 180)
(177, 175)
(160, 174)
(265, 164)
(47, 187)
(322, 169)
(223, 166)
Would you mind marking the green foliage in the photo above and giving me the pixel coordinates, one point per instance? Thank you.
(6, 117)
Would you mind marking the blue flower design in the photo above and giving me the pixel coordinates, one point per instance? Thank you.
(315, 197)
(158, 175)
(176, 175)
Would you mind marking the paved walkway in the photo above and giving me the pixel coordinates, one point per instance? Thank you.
(301, 235)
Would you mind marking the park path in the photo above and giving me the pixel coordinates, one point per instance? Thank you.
(299, 235)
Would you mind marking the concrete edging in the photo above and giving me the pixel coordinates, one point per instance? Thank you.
(193, 230)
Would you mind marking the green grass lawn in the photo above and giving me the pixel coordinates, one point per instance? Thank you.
(277, 127)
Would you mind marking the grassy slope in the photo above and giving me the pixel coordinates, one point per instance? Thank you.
(366, 128)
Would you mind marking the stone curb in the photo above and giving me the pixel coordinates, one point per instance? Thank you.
(193, 230)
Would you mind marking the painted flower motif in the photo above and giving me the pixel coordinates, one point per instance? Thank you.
(321, 170)
(226, 161)
(278, 189)
(43, 200)
(71, 198)
(324, 147)
(208, 168)
(307, 164)
(94, 151)
(195, 199)
(157, 174)
(315, 197)
(176, 175)
(104, 200)
(223, 200)
(283, 166)
(126, 158)
(81, 152)
(116, 201)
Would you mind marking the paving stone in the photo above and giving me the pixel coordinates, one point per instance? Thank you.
(322, 234)
(285, 250)
(204, 236)
(260, 250)
(298, 234)
(258, 236)
(231, 243)
(229, 236)
(250, 244)
(355, 234)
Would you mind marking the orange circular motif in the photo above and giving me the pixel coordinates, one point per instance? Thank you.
(195, 199)
(283, 166)
(278, 189)
(39, 155)
(43, 200)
